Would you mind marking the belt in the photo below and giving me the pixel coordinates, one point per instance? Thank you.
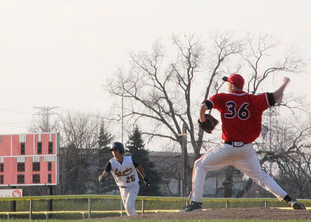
(123, 187)
(235, 144)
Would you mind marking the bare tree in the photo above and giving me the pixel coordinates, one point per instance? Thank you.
(257, 55)
(80, 129)
(80, 134)
(290, 157)
(163, 95)
(167, 94)
(84, 140)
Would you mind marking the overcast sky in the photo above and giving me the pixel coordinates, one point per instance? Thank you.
(59, 53)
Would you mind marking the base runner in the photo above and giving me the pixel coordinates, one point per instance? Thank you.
(241, 115)
(124, 171)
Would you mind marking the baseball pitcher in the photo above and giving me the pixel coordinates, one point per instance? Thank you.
(124, 171)
(241, 115)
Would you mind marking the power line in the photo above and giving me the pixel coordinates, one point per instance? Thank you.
(54, 93)
(46, 113)
(12, 111)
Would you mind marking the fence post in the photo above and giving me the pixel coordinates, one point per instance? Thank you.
(13, 203)
(89, 207)
(266, 204)
(50, 202)
(30, 209)
(227, 205)
(143, 206)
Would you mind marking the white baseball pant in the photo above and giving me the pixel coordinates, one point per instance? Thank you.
(243, 158)
(128, 196)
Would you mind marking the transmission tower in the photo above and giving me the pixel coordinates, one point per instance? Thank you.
(45, 114)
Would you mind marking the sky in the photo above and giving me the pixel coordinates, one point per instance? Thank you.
(59, 53)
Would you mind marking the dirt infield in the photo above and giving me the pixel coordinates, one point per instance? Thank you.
(232, 213)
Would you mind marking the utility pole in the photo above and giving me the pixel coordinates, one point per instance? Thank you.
(45, 113)
(122, 116)
(184, 155)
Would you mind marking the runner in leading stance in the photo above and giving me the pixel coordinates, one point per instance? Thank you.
(124, 171)
(241, 115)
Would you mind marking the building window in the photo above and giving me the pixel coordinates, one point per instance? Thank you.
(50, 147)
(39, 148)
(1, 179)
(36, 166)
(1, 167)
(49, 166)
(22, 148)
(49, 178)
(36, 178)
(20, 179)
(20, 167)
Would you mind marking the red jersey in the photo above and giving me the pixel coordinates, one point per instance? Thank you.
(241, 114)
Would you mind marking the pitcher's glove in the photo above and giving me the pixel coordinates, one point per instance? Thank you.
(146, 181)
(209, 124)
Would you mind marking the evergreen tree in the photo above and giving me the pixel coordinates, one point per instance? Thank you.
(139, 154)
(105, 138)
(104, 156)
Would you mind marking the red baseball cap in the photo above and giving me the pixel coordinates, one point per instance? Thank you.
(235, 79)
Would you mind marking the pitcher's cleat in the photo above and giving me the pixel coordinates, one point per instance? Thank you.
(296, 205)
(192, 207)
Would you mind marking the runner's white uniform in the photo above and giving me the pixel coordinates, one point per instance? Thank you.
(126, 177)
